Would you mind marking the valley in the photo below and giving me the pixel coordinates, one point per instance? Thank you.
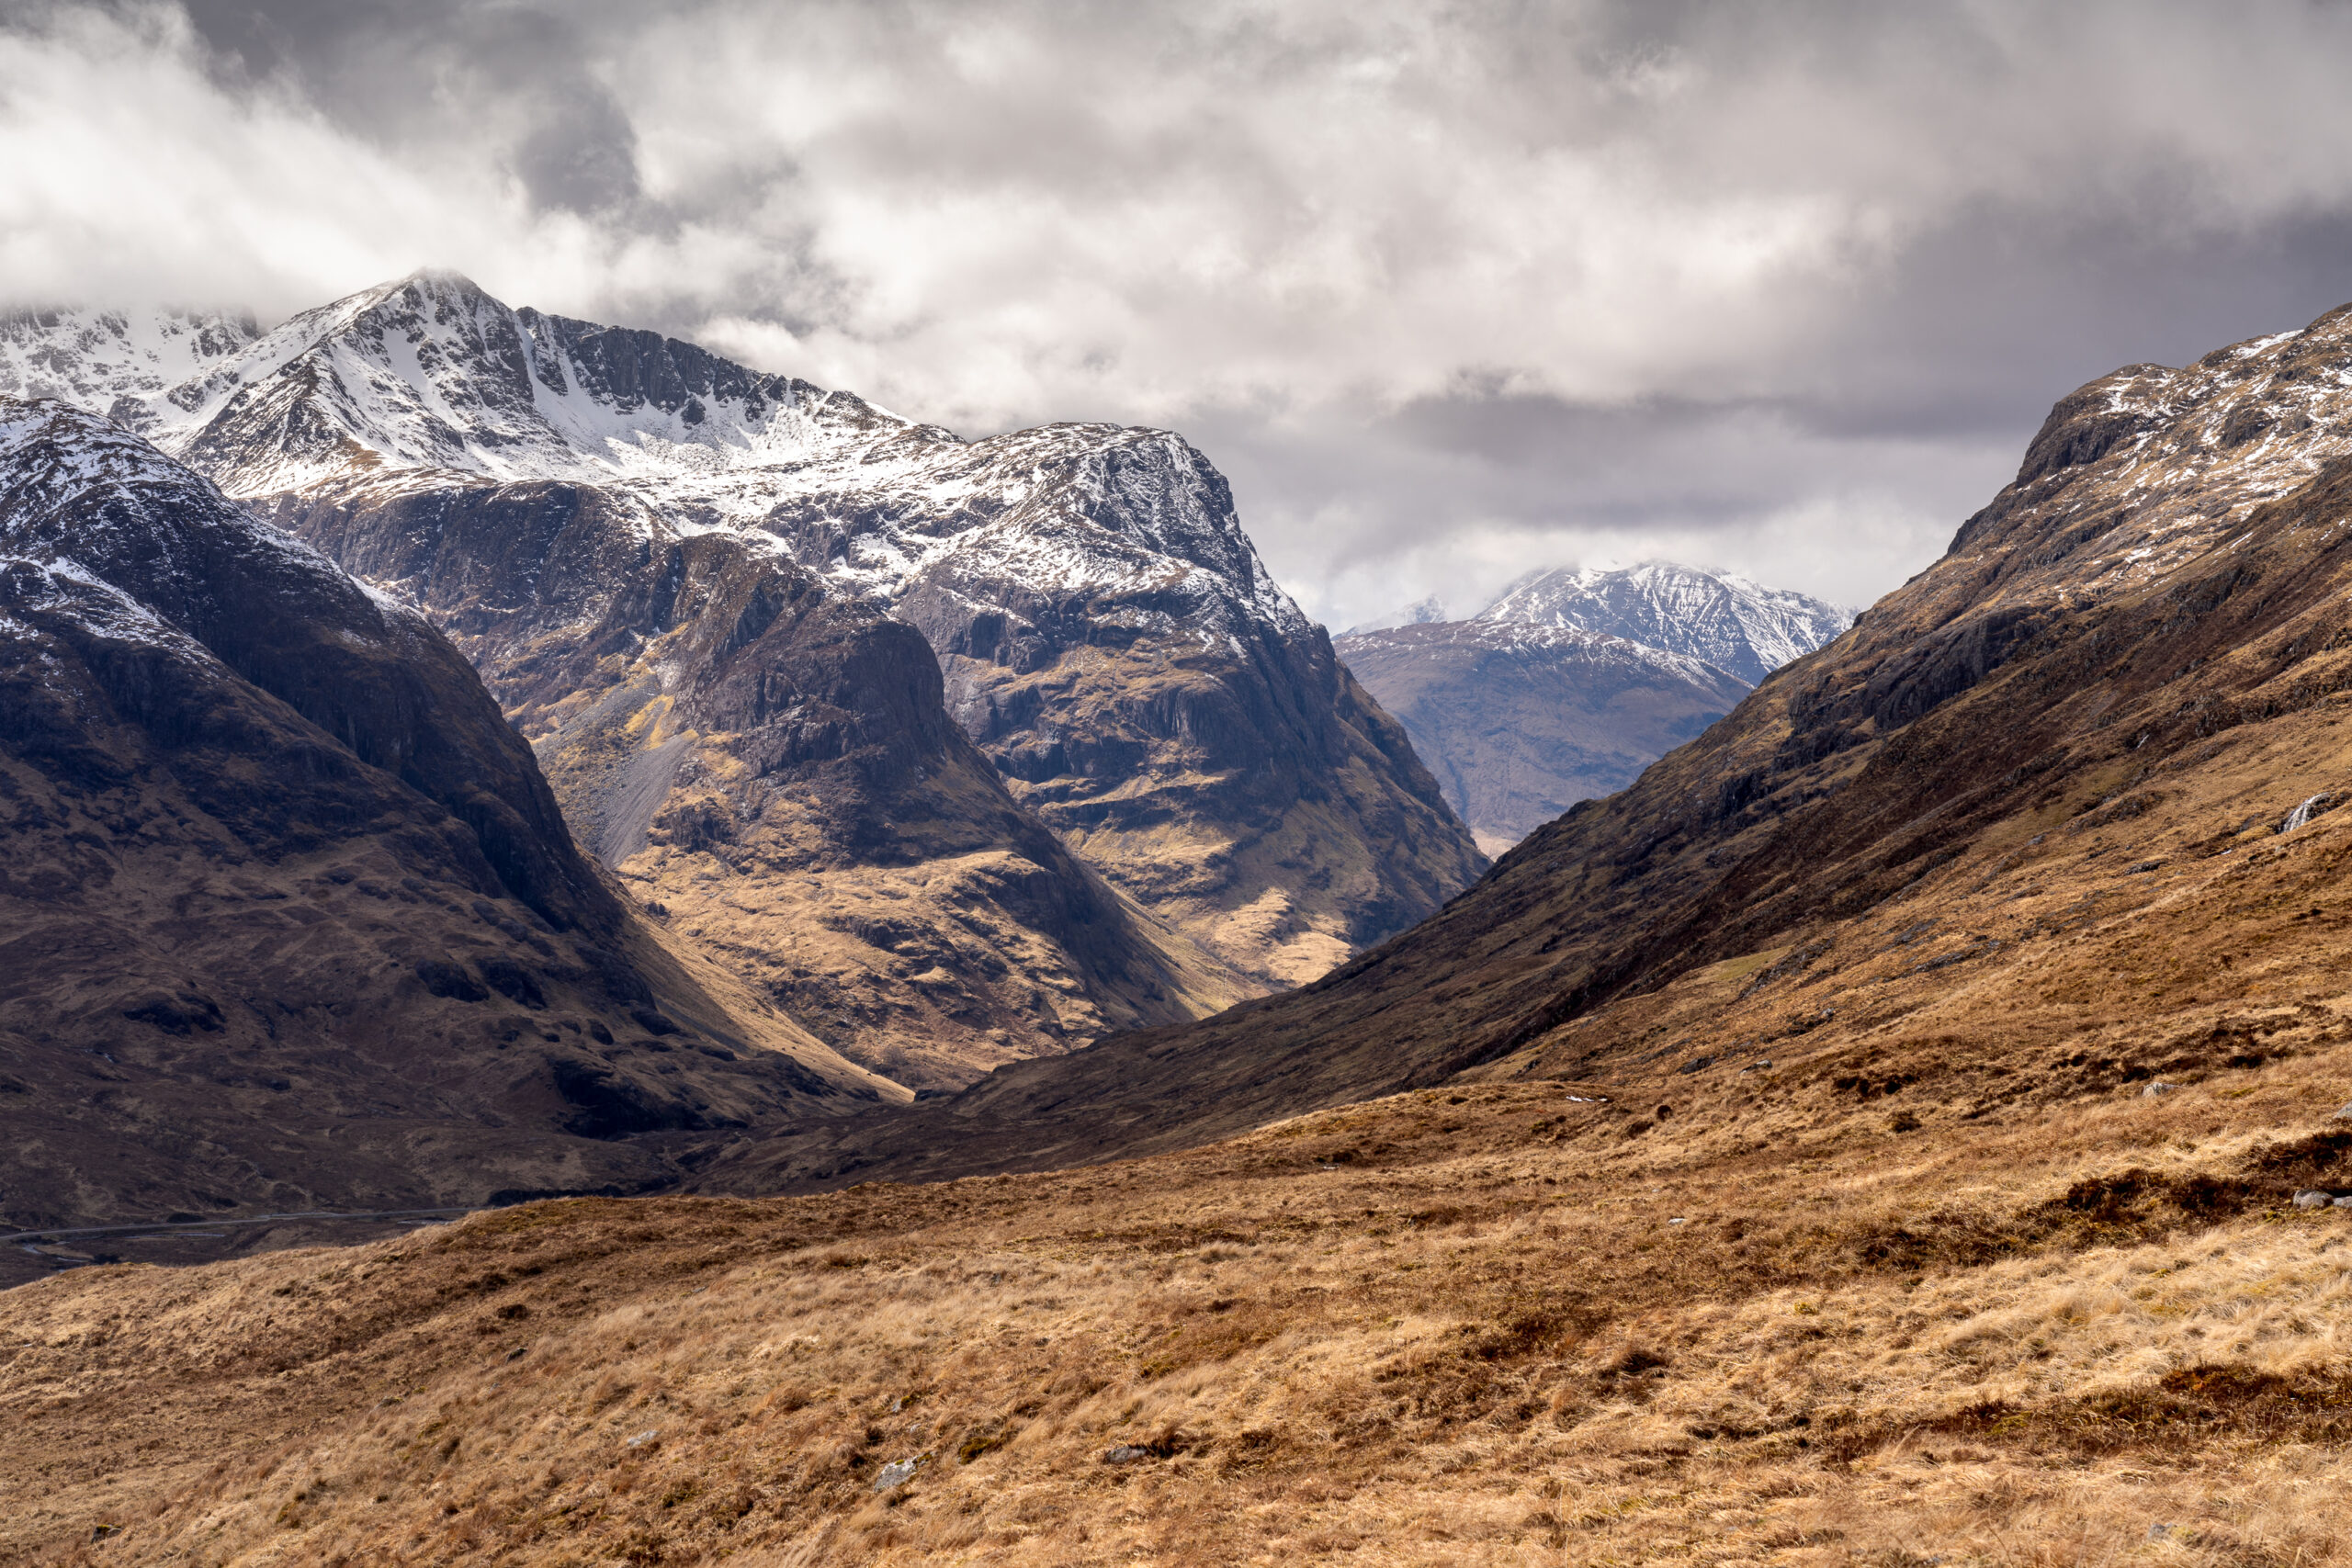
(1903, 1124)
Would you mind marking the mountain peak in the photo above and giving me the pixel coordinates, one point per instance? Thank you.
(1727, 620)
(1425, 611)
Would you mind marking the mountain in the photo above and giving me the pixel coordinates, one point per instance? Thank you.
(1419, 613)
(1572, 682)
(1741, 627)
(1925, 1087)
(288, 919)
(768, 761)
(1106, 635)
(2033, 808)
(1519, 722)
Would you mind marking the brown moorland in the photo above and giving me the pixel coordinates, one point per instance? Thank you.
(1941, 1274)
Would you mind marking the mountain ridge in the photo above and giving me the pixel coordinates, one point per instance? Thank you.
(1108, 637)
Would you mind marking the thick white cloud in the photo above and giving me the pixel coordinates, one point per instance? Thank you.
(1449, 290)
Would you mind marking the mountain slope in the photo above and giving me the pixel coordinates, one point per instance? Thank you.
(1519, 722)
(288, 917)
(2046, 761)
(1109, 636)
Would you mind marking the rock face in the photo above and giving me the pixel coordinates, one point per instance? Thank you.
(121, 364)
(768, 761)
(288, 917)
(1113, 643)
(1109, 638)
(1571, 682)
(2131, 663)
(1520, 722)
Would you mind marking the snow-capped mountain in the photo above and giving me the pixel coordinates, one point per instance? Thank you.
(1108, 634)
(428, 378)
(1572, 682)
(1731, 623)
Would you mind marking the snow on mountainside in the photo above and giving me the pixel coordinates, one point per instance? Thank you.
(1109, 636)
(1600, 650)
(421, 380)
(122, 365)
(1728, 621)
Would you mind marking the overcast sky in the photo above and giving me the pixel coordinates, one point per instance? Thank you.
(1448, 292)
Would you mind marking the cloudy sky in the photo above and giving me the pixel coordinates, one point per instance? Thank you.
(1449, 291)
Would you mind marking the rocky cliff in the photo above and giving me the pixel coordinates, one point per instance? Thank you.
(288, 917)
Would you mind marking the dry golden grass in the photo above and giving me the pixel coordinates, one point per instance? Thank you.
(1941, 1282)
(1485, 1342)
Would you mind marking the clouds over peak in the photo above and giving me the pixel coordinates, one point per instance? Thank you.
(1449, 290)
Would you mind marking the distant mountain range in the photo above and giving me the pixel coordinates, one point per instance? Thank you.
(1572, 682)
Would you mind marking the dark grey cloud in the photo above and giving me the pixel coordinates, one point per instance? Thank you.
(521, 82)
(1448, 290)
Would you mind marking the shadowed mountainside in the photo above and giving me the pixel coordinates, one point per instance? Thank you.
(287, 916)
(1520, 722)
